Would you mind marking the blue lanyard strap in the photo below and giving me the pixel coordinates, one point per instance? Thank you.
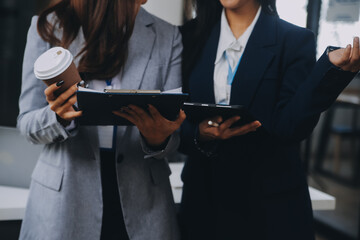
(108, 82)
(231, 73)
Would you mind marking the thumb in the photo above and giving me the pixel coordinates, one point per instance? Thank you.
(181, 117)
(345, 59)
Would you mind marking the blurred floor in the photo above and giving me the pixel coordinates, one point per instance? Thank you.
(345, 218)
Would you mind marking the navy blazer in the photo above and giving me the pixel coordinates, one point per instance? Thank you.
(253, 186)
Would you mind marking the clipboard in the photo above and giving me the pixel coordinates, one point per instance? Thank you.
(97, 106)
(197, 112)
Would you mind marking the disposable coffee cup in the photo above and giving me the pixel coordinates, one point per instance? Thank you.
(55, 65)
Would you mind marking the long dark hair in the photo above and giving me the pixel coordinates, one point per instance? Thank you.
(208, 13)
(107, 26)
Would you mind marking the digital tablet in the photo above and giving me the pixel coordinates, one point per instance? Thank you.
(197, 112)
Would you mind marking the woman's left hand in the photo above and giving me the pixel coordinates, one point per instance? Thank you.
(348, 59)
(152, 125)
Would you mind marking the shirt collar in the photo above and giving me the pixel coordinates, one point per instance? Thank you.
(228, 39)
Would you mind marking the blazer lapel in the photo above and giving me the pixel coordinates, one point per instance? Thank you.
(201, 81)
(255, 61)
(140, 48)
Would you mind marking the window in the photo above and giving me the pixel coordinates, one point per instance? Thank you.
(293, 11)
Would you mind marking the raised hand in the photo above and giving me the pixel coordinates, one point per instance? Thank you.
(348, 59)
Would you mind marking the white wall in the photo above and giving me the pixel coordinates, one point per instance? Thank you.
(169, 10)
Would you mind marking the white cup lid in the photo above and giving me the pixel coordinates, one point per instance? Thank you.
(52, 63)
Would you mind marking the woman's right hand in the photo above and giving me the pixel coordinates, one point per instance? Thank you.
(224, 130)
(62, 105)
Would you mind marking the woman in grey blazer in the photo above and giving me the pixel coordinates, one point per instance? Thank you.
(79, 190)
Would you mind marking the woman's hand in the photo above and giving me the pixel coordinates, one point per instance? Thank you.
(62, 105)
(348, 59)
(152, 125)
(224, 130)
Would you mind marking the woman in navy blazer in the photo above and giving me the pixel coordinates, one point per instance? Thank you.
(247, 182)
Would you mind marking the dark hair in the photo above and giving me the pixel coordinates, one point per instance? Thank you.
(107, 26)
(269, 6)
(208, 13)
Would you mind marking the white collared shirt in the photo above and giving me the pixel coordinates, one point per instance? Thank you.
(234, 49)
(106, 133)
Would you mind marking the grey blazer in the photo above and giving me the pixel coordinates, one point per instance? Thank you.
(65, 199)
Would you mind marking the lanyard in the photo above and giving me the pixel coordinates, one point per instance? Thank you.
(231, 74)
(230, 79)
(108, 83)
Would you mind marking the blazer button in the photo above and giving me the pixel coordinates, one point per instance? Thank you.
(58, 139)
(120, 158)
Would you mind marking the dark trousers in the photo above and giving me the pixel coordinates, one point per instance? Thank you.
(113, 226)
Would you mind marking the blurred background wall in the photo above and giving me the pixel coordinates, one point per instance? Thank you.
(169, 10)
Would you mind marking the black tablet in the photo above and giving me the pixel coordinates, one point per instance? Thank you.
(197, 112)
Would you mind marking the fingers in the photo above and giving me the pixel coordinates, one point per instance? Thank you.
(156, 115)
(355, 50)
(345, 58)
(71, 115)
(206, 132)
(355, 56)
(62, 105)
(215, 120)
(174, 125)
(49, 92)
(129, 114)
(125, 115)
(181, 118)
(67, 112)
(153, 117)
(205, 124)
(251, 127)
(138, 112)
(154, 112)
(135, 115)
(160, 128)
(61, 110)
(152, 125)
(62, 98)
(164, 125)
(224, 131)
(229, 122)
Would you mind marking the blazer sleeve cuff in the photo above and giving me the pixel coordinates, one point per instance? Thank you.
(338, 76)
(51, 131)
(172, 144)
